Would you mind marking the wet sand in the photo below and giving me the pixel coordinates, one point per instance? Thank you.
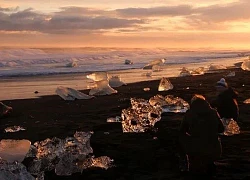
(136, 156)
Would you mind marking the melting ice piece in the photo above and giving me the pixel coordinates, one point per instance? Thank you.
(128, 61)
(115, 81)
(116, 119)
(231, 74)
(165, 85)
(146, 89)
(231, 127)
(14, 129)
(169, 103)
(198, 71)
(102, 88)
(140, 117)
(246, 65)
(14, 171)
(158, 62)
(14, 150)
(148, 74)
(185, 72)
(213, 67)
(4, 109)
(71, 94)
(247, 101)
(98, 76)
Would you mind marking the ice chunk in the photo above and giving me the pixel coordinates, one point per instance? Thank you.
(4, 109)
(214, 67)
(14, 129)
(14, 150)
(146, 89)
(102, 88)
(98, 76)
(147, 74)
(185, 72)
(198, 71)
(128, 61)
(246, 65)
(165, 85)
(231, 127)
(231, 74)
(71, 94)
(14, 171)
(115, 81)
(158, 62)
(140, 117)
(169, 103)
(116, 119)
(247, 101)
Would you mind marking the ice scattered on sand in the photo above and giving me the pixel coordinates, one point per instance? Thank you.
(102, 88)
(215, 67)
(140, 117)
(185, 72)
(71, 94)
(198, 71)
(115, 81)
(165, 85)
(231, 127)
(147, 74)
(14, 129)
(14, 150)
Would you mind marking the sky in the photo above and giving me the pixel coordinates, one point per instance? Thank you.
(126, 23)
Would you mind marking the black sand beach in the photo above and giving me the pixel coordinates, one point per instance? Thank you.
(138, 156)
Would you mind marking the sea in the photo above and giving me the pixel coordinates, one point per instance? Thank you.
(24, 71)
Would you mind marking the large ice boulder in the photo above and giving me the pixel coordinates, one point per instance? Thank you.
(98, 76)
(71, 94)
(246, 65)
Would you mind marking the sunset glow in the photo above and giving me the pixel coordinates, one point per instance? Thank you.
(141, 23)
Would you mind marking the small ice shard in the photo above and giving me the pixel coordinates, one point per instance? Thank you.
(165, 85)
(14, 129)
(140, 117)
(73, 63)
(198, 71)
(146, 89)
(128, 62)
(158, 62)
(247, 101)
(116, 119)
(115, 81)
(102, 88)
(231, 127)
(231, 74)
(214, 67)
(169, 103)
(246, 65)
(14, 171)
(14, 150)
(71, 94)
(98, 76)
(103, 162)
(4, 109)
(185, 72)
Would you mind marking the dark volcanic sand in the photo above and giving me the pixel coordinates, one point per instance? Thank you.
(136, 156)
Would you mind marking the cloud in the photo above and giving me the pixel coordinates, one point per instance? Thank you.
(66, 21)
(179, 10)
(9, 9)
